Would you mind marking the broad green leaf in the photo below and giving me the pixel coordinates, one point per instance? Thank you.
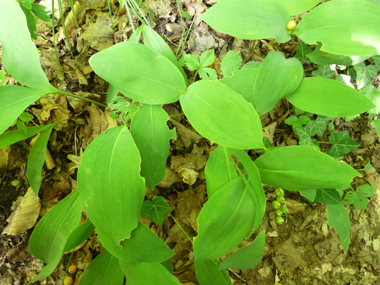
(15, 99)
(354, 30)
(103, 270)
(144, 273)
(156, 42)
(40, 12)
(112, 94)
(12, 137)
(231, 62)
(327, 196)
(364, 74)
(27, 4)
(220, 114)
(140, 73)
(329, 98)
(208, 273)
(135, 248)
(46, 270)
(294, 7)
(249, 19)
(341, 144)
(112, 188)
(219, 170)
(324, 71)
(372, 94)
(232, 221)
(37, 158)
(277, 77)
(246, 257)
(31, 22)
(320, 57)
(51, 233)
(242, 82)
(152, 136)
(20, 56)
(376, 123)
(302, 51)
(339, 219)
(298, 168)
(3, 77)
(155, 210)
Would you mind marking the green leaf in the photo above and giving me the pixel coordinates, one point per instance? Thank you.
(231, 62)
(12, 137)
(294, 7)
(315, 127)
(25, 117)
(346, 32)
(302, 51)
(20, 56)
(331, 127)
(3, 77)
(298, 168)
(372, 94)
(339, 219)
(251, 64)
(219, 170)
(364, 74)
(249, 20)
(277, 77)
(208, 273)
(134, 249)
(207, 58)
(103, 270)
(39, 11)
(192, 62)
(155, 210)
(320, 57)
(156, 42)
(305, 138)
(27, 4)
(376, 123)
(246, 257)
(152, 135)
(147, 273)
(324, 71)
(329, 97)
(237, 204)
(31, 22)
(110, 184)
(222, 115)
(15, 99)
(140, 73)
(359, 198)
(51, 233)
(37, 158)
(327, 196)
(341, 144)
(242, 82)
(78, 235)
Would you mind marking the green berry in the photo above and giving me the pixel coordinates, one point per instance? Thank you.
(280, 199)
(280, 220)
(279, 213)
(276, 205)
(284, 209)
(279, 192)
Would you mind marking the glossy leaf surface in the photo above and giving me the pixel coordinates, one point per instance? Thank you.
(249, 19)
(222, 115)
(294, 7)
(140, 73)
(329, 98)
(208, 273)
(298, 168)
(113, 190)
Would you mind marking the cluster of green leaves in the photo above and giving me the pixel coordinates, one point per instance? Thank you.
(120, 162)
(32, 10)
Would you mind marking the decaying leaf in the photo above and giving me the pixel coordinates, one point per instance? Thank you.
(25, 213)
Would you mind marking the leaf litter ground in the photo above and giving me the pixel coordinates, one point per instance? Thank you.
(302, 251)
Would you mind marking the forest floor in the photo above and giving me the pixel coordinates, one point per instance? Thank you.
(304, 250)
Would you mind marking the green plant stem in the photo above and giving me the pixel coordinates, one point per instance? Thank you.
(110, 11)
(54, 42)
(182, 230)
(64, 28)
(195, 75)
(79, 97)
(325, 142)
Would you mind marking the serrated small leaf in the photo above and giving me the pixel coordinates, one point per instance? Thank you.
(39, 11)
(230, 63)
(331, 127)
(363, 74)
(155, 210)
(303, 119)
(291, 120)
(208, 73)
(252, 64)
(366, 190)
(207, 58)
(324, 71)
(315, 127)
(191, 62)
(341, 144)
(350, 198)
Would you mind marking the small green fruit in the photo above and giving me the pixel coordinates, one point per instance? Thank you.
(279, 192)
(280, 220)
(280, 199)
(279, 213)
(276, 205)
(291, 25)
(284, 209)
